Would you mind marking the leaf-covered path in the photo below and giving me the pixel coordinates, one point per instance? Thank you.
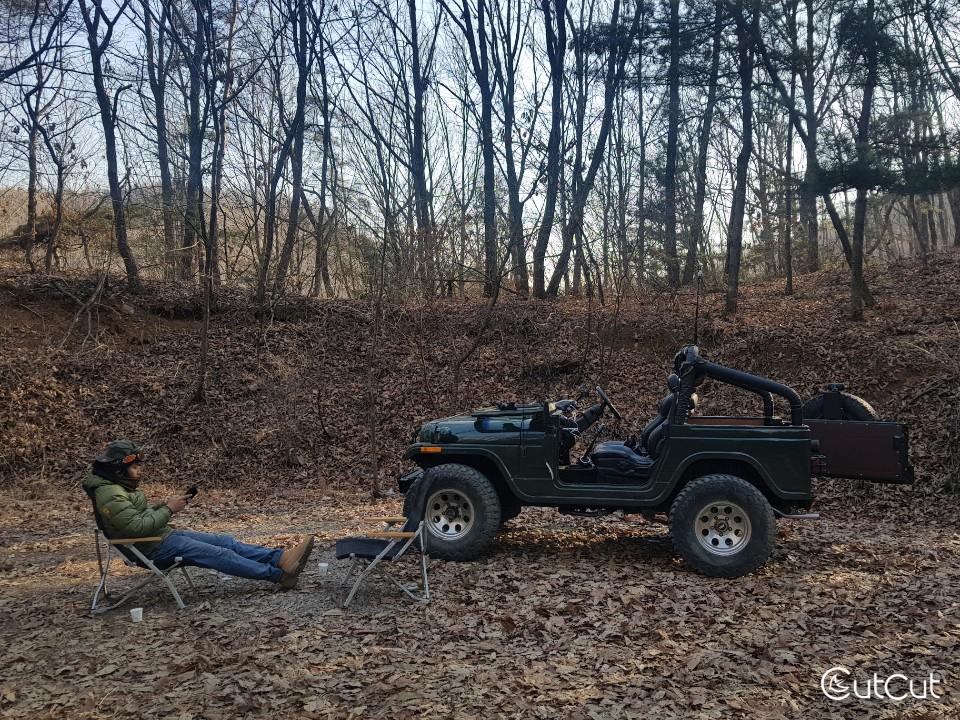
(565, 618)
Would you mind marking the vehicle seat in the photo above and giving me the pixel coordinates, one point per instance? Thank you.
(654, 431)
(619, 463)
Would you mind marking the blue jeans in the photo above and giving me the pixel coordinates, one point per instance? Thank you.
(219, 552)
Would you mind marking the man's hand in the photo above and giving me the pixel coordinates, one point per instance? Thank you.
(176, 504)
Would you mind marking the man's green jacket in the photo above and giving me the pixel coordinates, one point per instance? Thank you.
(125, 512)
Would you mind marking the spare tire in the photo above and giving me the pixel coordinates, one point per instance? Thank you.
(851, 408)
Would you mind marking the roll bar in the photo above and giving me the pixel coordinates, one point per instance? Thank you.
(756, 384)
(767, 404)
(692, 369)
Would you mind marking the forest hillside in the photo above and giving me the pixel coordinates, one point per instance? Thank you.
(317, 396)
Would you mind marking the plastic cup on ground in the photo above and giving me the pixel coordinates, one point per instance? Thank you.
(136, 614)
(323, 567)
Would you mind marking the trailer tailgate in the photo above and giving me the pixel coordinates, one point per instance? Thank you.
(875, 451)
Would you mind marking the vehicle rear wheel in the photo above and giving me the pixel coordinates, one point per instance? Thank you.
(723, 526)
(462, 512)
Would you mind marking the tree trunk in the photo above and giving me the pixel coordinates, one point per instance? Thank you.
(491, 278)
(156, 71)
(32, 189)
(514, 206)
(321, 271)
(858, 284)
(418, 161)
(700, 191)
(811, 177)
(738, 206)
(195, 132)
(953, 196)
(673, 132)
(210, 247)
(302, 54)
(641, 251)
(556, 43)
(622, 281)
(57, 216)
(617, 52)
(788, 175)
(321, 264)
(106, 105)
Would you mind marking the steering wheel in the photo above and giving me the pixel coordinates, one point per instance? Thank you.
(613, 409)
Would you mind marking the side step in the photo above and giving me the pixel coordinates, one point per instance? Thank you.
(584, 512)
(798, 516)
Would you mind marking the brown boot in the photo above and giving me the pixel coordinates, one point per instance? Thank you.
(293, 561)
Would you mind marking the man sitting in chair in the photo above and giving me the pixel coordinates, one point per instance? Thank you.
(123, 508)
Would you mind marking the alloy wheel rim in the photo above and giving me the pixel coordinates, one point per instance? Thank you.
(450, 514)
(722, 528)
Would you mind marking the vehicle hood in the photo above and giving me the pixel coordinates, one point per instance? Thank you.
(482, 422)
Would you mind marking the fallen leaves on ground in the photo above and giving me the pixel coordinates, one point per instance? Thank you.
(564, 618)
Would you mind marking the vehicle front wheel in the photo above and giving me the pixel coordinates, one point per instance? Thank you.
(723, 526)
(462, 512)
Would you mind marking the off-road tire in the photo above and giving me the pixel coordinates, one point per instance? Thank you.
(720, 489)
(852, 408)
(486, 508)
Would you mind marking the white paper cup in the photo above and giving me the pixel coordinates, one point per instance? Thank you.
(136, 614)
(323, 567)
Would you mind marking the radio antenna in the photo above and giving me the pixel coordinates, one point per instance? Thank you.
(696, 314)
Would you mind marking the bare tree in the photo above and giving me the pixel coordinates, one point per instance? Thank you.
(322, 219)
(45, 19)
(96, 21)
(475, 32)
(738, 205)
(619, 46)
(555, 29)
(703, 151)
(421, 66)
(156, 49)
(303, 43)
(673, 132)
(219, 91)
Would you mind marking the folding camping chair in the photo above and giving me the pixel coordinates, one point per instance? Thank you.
(390, 545)
(127, 550)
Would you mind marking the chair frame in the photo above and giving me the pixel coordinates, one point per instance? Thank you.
(417, 593)
(142, 561)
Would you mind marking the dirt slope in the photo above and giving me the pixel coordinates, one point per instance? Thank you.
(295, 409)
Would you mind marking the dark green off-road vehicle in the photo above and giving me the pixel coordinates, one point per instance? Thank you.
(721, 481)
